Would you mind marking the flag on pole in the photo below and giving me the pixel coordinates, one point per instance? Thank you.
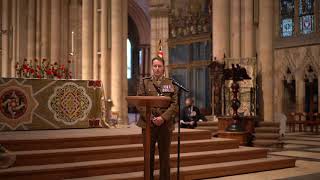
(160, 52)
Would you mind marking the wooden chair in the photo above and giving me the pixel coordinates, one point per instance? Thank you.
(291, 122)
(317, 122)
(310, 121)
(300, 119)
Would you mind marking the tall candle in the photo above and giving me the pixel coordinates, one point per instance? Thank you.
(72, 42)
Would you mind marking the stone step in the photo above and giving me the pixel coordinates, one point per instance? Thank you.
(269, 124)
(55, 156)
(267, 143)
(207, 123)
(267, 130)
(267, 135)
(209, 128)
(210, 170)
(76, 138)
(210, 118)
(126, 165)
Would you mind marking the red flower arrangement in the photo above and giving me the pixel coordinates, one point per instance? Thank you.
(44, 70)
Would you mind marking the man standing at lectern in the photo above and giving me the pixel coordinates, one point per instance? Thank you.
(162, 119)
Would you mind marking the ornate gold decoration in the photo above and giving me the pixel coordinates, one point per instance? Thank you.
(70, 103)
(16, 104)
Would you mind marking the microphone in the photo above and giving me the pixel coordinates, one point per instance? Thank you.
(179, 85)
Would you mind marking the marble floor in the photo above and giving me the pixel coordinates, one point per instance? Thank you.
(305, 147)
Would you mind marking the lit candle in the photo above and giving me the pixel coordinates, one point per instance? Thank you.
(72, 42)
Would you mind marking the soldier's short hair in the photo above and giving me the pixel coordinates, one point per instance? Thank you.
(159, 59)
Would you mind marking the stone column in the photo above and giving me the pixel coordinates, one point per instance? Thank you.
(44, 29)
(278, 104)
(144, 67)
(247, 31)
(31, 40)
(118, 58)
(66, 33)
(5, 39)
(159, 30)
(235, 29)
(265, 58)
(55, 31)
(220, 28)
(318, 93)
(87, 39)
(96, 47)
(13, 38)
(105, 49)
(38, 29)
(154, 40)
(124, 107)
(277, 18)
(300, 93)
(74, 19)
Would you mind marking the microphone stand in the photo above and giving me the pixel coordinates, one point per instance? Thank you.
(180, 87)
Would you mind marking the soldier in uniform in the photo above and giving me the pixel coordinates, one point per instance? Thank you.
(162, 118)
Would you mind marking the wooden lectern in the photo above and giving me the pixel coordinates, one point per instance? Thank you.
(148, 102)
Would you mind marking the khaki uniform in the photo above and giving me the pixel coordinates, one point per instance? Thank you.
(160, 134)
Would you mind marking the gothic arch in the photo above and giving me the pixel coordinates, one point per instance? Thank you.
(139, 15)
(287, 63)
(309, 60)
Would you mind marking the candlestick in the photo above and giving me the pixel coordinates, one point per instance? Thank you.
(72, 42)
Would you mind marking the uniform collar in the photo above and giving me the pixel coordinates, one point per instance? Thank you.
(157, 79)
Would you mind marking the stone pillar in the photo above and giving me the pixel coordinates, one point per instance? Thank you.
(265, 58)
(154, 39)
(105, 49)
(74, 19)
(277, 18)
(300, 92)
(31, 40)
(5, 39)
(145, 65)
(87, 39)
(159, 30)
(124, 107)
(13, 38)
(119, 59)
(44, 29)
(235, 29)
(96, 17)
(38, 29)
(220, 28)
(247, 31)
(55, 31)
(318, 93)
(278, 104)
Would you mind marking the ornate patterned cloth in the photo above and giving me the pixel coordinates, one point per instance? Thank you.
(30, 104)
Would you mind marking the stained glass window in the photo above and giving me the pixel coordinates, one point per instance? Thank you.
(129, 59)
(287, 27)
(287, 17)
(306, 16)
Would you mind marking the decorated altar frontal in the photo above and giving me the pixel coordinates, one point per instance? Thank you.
(37, 104)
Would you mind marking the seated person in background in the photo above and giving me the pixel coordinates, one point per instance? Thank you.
(190, 115)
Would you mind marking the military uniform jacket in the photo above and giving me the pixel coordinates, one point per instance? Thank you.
(149, 86)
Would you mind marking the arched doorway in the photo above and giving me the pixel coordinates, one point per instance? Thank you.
(311, 91)
(133, 57)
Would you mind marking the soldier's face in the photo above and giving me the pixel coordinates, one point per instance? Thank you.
(157, 68)
(188, 102)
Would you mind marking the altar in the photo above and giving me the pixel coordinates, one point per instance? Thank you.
(38, 104)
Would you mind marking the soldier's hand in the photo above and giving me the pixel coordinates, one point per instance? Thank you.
(158, 121)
